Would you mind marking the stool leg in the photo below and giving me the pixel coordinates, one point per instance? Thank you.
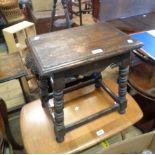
(43, 85)
(58, 86)
(123, 72)
(59, 115)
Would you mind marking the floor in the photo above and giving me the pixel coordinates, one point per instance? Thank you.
(14, 119)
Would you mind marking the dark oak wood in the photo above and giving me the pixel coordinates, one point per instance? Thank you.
(129, 16)
(142, 78)
(114, 9)
(143, 22)
(87, 50)
(76, 47)
(42, 19)
(147, 123)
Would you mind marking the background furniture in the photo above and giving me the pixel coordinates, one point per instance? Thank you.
(79, 7)
(42, 19)
(96, 9)
(132, 16)
(11, 12)
(142, 80)
(83, 137)
(11, 67)
(67, 20)
(16, 35)
(7, 141)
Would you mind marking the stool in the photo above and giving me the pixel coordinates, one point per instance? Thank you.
(15, 36)
(42, 138)
(81, 54)
(11, 67)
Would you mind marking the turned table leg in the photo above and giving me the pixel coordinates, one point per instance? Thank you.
(123, 75)
(58, 86)
(59, 115)
(43, 85)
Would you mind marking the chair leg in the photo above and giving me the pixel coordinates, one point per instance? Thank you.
(80, 12)
(25, 88)
(65, 4)
(53, 15)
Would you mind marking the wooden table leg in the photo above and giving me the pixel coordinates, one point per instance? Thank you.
(25, 88)
(123, 72)
(43, 85)
(58, 86)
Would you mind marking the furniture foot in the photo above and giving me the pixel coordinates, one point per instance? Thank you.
(123, 72)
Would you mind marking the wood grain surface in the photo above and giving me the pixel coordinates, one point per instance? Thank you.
(133, 15)
(78, 47)
(110, 9)
(37, 127)
(11, 67)
(142, 78)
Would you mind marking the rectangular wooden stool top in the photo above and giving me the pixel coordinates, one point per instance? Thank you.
(59, 51)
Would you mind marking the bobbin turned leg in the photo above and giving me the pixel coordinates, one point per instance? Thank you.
(58, 86)
(123, 75)
(43, 85)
